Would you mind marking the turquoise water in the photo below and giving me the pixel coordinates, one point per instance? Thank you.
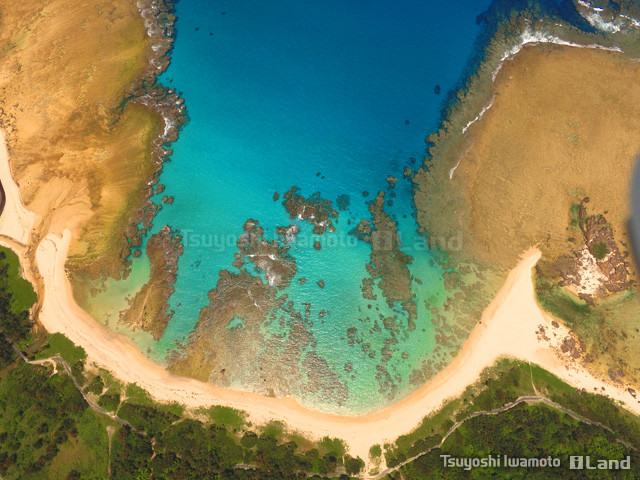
(331, 97)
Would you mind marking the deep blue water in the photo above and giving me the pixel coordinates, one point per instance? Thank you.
(279, 91)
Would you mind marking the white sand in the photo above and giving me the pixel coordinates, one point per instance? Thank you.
(508, 328)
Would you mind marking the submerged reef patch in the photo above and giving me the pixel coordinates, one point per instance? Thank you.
(388, 262)
(268, 257)
(149, 308)
(316, 210)
(280, 360)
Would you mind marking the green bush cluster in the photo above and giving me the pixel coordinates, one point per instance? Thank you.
(38, 414)
(529, 431)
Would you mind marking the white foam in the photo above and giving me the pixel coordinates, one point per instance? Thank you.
(529, 37)
(479, 116)
(635, 23)
(454, 168)
(596, 20)
(451, 172)
(616, 24)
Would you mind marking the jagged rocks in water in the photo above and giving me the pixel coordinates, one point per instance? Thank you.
(315, 210)
(149, 308)
(288, 234)
(269, 257)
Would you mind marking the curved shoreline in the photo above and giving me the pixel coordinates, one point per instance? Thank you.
(509, 327)
(15, 220)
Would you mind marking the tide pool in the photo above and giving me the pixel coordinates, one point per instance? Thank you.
(331, 97)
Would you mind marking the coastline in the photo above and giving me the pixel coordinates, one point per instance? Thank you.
(509, 327)
(514, 226)
(496, 335)
(94, 167)
(15, 220)
(526, 38)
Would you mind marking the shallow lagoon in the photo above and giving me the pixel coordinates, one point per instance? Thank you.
(332, 97)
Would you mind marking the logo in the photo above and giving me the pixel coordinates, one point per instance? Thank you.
(579, 462)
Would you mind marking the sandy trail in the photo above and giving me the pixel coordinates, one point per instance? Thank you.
(508, 327)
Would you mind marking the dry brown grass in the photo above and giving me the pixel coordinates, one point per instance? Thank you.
(79, 160)
(565, 122)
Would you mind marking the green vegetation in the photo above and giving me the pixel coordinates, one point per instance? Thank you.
(44, 418)
(7, 355)
(95, 386)
(353, 465)
(334, 446)
(608, 329)
(16, 298)
(227, 417)
(47, 429)
(530, 431)
(113, 384)
(575, 215)
(575, 312)
(600, 249)
(146, 419)
(549, 431)
(109, 401)
(274, 429)
(137, 395)
(375, 451)
(58, 344)
(24, 296)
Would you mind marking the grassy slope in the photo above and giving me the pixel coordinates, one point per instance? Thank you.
(527, 431)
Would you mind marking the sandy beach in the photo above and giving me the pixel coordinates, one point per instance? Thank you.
(508, 328)
(81, 161)
(16, 221)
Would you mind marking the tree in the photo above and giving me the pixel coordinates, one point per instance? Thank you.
(353, 465)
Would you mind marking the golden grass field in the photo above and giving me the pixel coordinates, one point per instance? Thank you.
(79, 159)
